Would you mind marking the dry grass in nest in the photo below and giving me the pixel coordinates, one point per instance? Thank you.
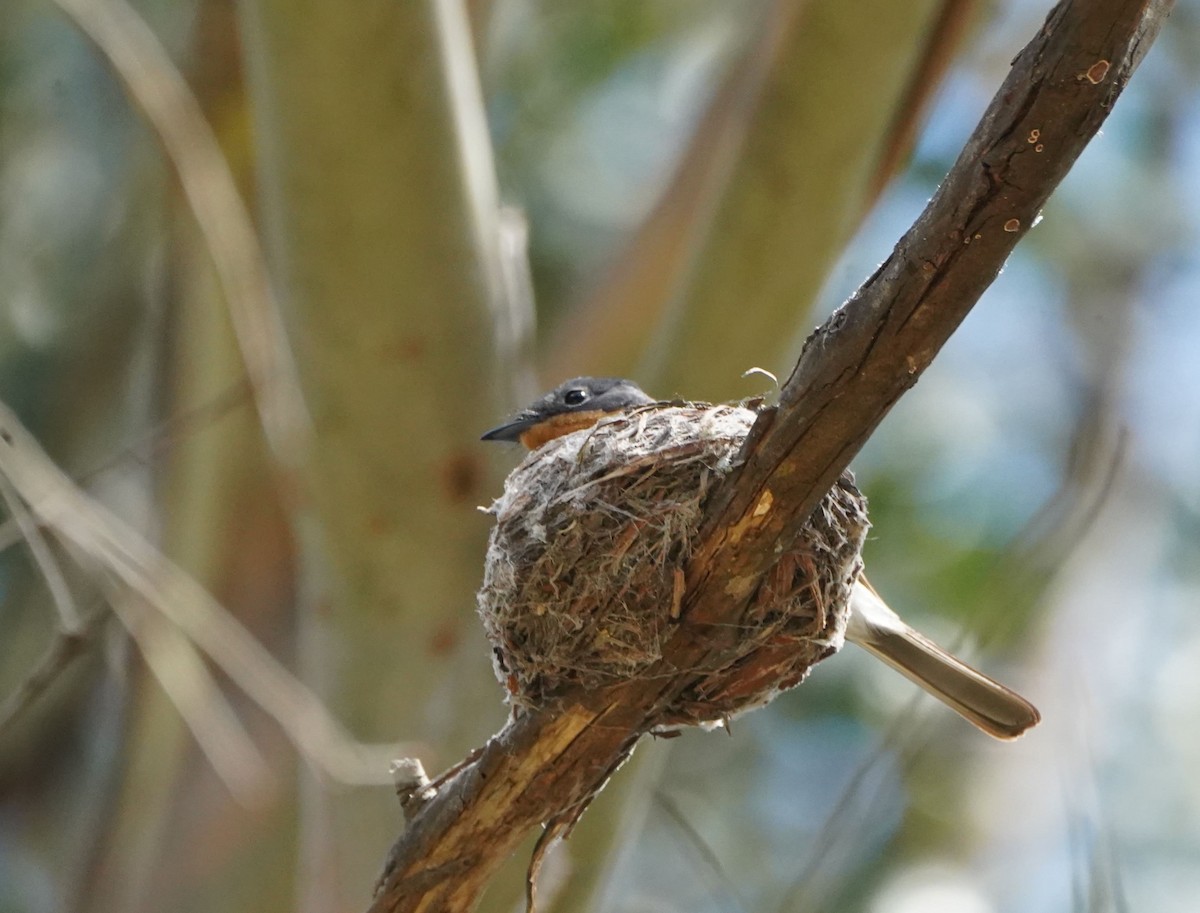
(584, 566)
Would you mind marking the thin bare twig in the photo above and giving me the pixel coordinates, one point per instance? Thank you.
(169, 106)
(102, 539)
(709, 865)
(64, 648)
(156, 438)
(181, 673)
(43, 557)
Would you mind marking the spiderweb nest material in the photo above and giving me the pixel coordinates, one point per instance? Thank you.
(584, 572)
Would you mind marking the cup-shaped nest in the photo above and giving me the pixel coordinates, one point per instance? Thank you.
(584, 575)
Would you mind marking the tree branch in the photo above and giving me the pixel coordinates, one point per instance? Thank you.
(857, 364)
(544, 766)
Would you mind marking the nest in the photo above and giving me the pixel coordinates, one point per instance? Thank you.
(584, 570)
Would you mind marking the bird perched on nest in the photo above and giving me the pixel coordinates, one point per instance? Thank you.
(584, 573)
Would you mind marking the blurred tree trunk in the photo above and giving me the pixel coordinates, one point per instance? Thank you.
(380, 209)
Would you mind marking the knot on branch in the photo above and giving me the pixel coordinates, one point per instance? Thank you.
(413, 786)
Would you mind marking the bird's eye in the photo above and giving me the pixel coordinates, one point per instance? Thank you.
(575, 396)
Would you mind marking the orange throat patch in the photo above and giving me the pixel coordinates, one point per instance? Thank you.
(558, 425)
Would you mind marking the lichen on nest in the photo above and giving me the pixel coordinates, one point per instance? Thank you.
(585, 565)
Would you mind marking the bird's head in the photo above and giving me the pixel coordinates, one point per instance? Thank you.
(577, 403)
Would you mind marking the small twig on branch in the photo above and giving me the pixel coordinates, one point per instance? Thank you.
(1059, 91)
(65, 646)
(413, 787)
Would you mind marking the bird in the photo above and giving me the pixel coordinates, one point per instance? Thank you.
(581, 402)
(571, 406)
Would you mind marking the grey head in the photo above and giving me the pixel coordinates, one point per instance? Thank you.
(574, 404)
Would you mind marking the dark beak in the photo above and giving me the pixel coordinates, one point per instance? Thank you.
(511, 430)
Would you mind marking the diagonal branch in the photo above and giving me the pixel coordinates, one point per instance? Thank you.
(857, 364)
(544, 765)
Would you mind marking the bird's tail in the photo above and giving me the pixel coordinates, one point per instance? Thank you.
(984, 702)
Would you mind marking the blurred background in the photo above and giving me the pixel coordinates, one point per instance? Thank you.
(697, 184)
